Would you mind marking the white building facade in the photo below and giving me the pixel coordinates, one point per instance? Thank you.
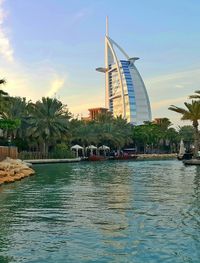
(126, 94)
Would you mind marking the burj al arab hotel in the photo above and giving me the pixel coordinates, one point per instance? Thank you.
(125, 93)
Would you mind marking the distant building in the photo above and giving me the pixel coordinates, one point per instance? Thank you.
(94, 112)
(126, 94)
(158, 121)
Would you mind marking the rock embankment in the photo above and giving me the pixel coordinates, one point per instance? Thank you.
(12, 170)
(157, 156)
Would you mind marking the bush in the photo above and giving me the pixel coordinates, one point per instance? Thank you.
(61, 151)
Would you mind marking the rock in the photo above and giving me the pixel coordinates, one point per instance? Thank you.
(12, 170)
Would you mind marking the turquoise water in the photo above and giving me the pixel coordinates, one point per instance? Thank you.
(102, 212)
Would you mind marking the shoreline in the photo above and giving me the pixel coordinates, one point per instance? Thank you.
(49, 161)
(163, 156)
(12, 170)
(141, 157)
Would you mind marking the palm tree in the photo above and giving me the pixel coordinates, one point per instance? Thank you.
(3, 96)
(192, 113)
(164, 123)
(48, 121)
(187, 134)
(83, 133)
(104, 117)
(122, 132)
(17, 109)
(195, 96)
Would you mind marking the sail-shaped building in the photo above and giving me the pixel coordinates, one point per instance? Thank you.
(126, 94)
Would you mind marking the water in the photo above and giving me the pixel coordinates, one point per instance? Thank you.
(102, 212)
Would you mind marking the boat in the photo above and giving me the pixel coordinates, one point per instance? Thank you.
(192, 162)
(186, 156)
(126, 154)
(181, 153)
(95, 158)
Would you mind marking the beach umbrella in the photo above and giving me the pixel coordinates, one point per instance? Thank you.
(91, 148)
(77, 148)
(104, 148)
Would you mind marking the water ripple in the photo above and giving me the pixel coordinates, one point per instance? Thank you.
(102, 212)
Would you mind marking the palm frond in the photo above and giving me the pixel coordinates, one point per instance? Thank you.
(195, 96)
(2, 81)
(177, 109)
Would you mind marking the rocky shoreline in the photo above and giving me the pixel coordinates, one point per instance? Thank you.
(13, 170)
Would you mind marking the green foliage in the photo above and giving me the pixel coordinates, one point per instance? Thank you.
(3, 97)
(45, 128)
(187, 134)
(61, 150)
(48, 121)
(191, 113)
(20, 143)
(9, 124)
(114, 132)
(195, 96)
(156, 137)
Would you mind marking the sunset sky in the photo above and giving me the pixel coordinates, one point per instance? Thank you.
(52, 47)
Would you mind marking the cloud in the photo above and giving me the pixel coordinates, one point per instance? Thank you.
(32, 82)
(27, 80)
(6, 49)
(80, 14)
(79, 104)
(56, 85)
(172, 89)
(179, 86)
(167, 103)
(83, 108)
(183, 77)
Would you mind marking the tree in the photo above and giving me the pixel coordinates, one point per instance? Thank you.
(105, 129)
(187, 134)
(172, 138)
(17, 109)
(104, 117)
(48, 122)
(164, 123)
(147, 136)
(3, 97)
(191, 113)
(7, 124)
(83, 133)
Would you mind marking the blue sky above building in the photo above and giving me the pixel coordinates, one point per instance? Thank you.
(52, 47)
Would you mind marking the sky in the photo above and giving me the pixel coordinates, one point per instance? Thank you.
(52, 47)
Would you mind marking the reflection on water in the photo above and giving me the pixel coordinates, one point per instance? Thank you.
(103, 212)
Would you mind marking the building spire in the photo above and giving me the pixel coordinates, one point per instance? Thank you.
(107, 26)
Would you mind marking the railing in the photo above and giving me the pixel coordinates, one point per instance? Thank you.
(25, 155)
(33, 155)
(8, 151)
